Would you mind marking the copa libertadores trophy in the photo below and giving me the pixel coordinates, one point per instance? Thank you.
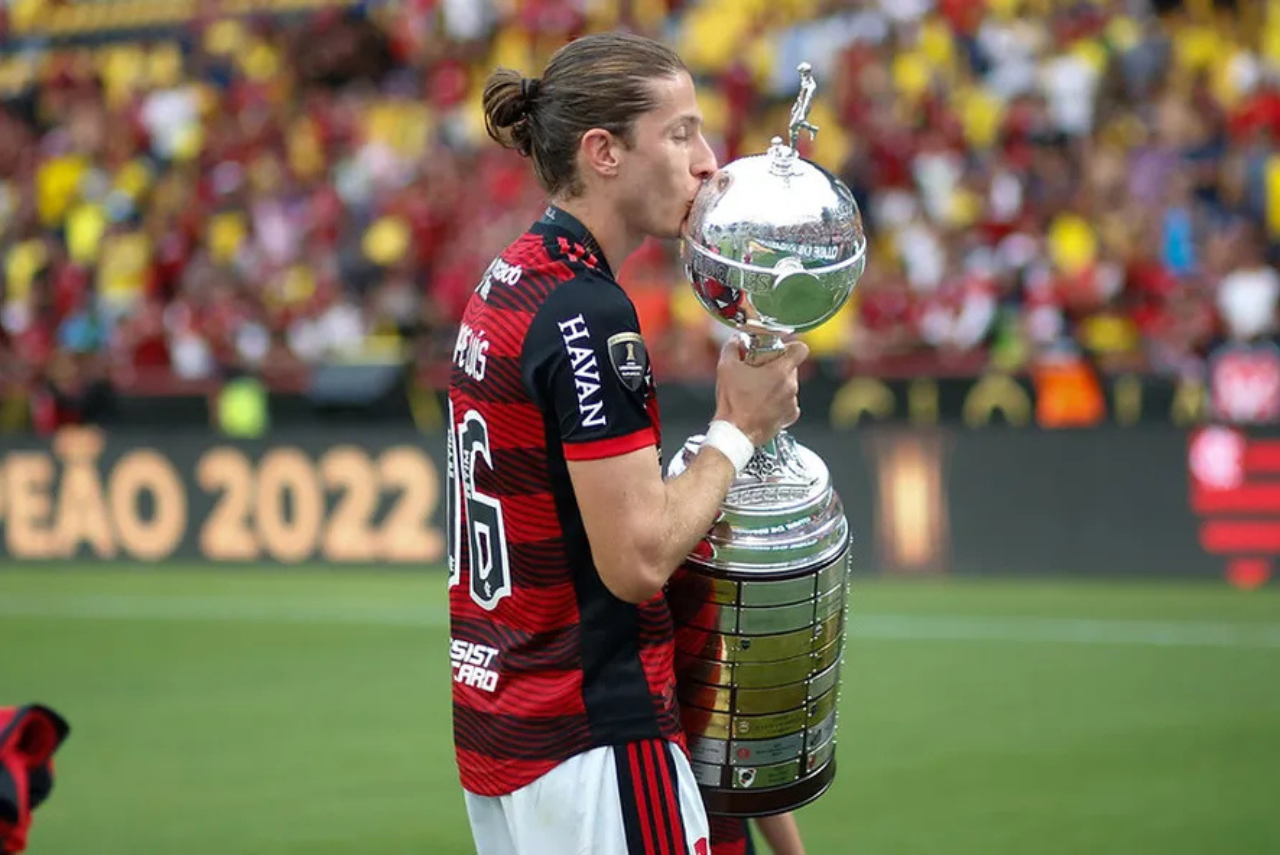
(774, 245)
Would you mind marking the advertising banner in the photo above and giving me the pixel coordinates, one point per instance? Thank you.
(333, 496)
(1142, 500)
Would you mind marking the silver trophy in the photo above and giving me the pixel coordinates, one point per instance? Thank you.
(774, 245)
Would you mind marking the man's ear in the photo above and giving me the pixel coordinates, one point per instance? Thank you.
(600, 151)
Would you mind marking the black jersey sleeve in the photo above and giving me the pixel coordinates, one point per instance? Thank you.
(584, 362)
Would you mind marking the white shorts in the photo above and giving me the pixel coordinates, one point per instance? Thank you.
(634, 799)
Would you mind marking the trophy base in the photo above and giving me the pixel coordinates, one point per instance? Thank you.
(759, 610)
(756, 803)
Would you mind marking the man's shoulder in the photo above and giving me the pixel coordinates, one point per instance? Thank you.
(593, 288)
(587, 301)
(533, 267)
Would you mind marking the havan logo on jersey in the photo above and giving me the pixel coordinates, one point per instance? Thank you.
(471, 663)
(586, 370)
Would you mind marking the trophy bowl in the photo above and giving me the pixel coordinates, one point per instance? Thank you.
(773, 245)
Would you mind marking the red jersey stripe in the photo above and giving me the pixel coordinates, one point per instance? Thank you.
(612, 447)
(538, 694)
(537, 610)
(530, 518)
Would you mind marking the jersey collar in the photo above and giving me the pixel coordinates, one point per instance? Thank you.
(559, 222)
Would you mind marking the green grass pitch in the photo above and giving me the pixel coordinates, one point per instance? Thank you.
(281, 712)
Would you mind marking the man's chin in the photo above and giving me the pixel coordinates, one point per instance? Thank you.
(663, 231)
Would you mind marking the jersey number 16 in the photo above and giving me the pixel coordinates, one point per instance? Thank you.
(490, 569)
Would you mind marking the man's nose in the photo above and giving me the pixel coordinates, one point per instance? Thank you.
(705, 165)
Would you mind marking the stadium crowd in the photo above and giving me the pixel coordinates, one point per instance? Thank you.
(1037, 177)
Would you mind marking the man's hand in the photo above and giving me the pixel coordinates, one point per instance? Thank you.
(759, 400)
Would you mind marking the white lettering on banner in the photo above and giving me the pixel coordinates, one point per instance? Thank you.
(586, 371)
(471, 664)
(217, 502)
(501, 272)
(469, 352)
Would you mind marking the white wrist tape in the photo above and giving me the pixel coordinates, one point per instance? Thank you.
(726, 438)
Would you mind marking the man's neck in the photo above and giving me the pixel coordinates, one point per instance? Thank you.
(605, 226)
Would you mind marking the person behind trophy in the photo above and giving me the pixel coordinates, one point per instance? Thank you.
(563, 532)
(731, 836)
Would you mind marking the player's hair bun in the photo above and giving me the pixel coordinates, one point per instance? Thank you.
(509, 102)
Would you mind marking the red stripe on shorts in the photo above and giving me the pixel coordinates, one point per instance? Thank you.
(649, 795)
(671, 795)
(660, 828)
(644, 808)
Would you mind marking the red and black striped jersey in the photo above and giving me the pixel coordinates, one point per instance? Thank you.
(549, 366)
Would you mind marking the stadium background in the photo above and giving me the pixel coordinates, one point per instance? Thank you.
(235, 238)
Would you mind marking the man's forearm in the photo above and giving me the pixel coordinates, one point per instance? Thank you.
(692, 504)
(641, 527)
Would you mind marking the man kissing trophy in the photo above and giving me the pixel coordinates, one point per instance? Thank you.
(774, 246)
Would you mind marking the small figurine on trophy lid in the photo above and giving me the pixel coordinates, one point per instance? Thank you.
(773, 246)
(800, 112)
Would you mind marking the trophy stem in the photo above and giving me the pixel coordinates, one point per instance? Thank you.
(776, 457)
(770, 451)
(762, 347)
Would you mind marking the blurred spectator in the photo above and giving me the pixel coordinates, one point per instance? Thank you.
(1248, 296)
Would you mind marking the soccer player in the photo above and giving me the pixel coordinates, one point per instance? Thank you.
(562, 531)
